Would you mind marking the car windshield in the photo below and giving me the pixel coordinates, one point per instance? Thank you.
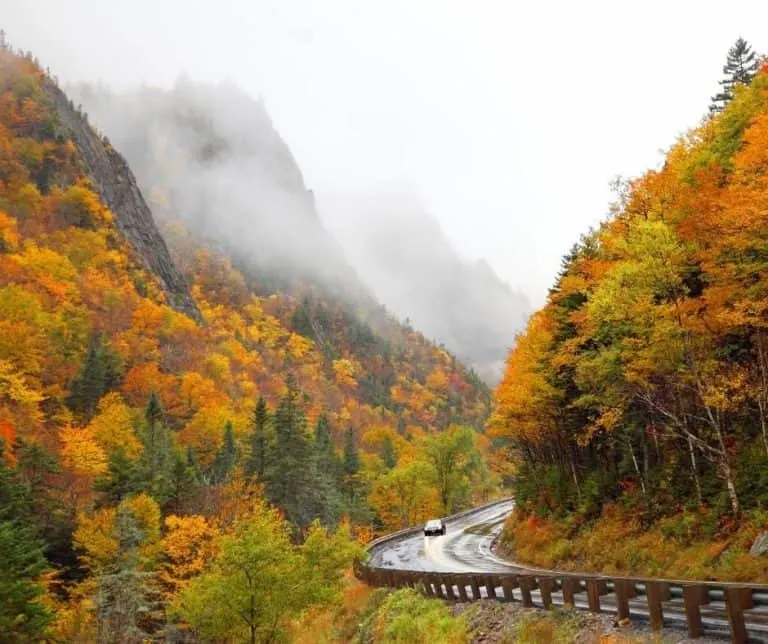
(433, 524)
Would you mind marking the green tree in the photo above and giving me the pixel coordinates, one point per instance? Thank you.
(185, 478)
(226, 458)
(260, 442)
(101, 372)
(22, 615)
(455, 459)
(123, 477)
(157, 455)
(353, 486)
(739, 69)
(388, 454)
(260, 580)
(287, 476)
(127, 594)
(326, 503)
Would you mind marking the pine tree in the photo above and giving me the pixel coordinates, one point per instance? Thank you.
(123, 477)
(101, 372)
(388, 454)
(740, 68)
(354, 487)
(257, 463)
(127, 595)
(157, 456)
(22, 616)
(288, 473)
(184, 480)
(326, 503)
(326, 455)
(351, 455)
(226, 457)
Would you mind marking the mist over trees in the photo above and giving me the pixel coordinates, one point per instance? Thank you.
(210, 156)
(402, 253)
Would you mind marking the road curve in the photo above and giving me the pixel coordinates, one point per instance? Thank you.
(466, 548)
(458, 551)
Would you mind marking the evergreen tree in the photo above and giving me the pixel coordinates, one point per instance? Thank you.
(353, 487)
(157, 456)
(226, 457)
(260, 442)
(740, 68)
(288, 472)
(324, 450)
(388, 454)
(101, 372)
(351, 455)
(184, 480)
(123, 477)
(326, 503)
(22, 616)
(127, 595)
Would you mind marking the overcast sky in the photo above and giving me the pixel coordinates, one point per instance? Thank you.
(509, 119)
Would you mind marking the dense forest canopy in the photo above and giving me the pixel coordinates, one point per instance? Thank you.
(153, 456)
(645, 376)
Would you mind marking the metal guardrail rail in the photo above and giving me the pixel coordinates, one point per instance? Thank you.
(736, 602)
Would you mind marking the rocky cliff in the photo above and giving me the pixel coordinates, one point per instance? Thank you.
(118, 188)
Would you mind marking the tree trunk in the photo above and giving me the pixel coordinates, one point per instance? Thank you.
(637, 466)
(692, 454)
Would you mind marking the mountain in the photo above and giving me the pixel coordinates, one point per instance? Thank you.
(209, 157)
(403, 255)
(155, 398)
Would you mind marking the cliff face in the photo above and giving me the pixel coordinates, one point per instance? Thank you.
(119, 190)
(210, 157)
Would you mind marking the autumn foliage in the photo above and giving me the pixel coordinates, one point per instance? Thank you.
(137, 428)
(644, 378)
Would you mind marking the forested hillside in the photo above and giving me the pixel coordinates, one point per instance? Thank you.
(401, 250)
(146, 424)
(639, 394)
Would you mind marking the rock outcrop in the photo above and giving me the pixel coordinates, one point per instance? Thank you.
(120, 192)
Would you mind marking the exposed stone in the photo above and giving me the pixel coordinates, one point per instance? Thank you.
(760, 546)
(118, 189)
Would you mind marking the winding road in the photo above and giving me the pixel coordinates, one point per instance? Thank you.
(466, 548)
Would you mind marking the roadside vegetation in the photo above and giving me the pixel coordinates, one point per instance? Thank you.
(636, 403)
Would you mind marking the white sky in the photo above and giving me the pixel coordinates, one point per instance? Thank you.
(508, 118)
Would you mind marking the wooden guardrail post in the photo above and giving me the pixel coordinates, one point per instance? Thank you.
(461, 582)
(693, 597)
(546, 586)
(446, 587)
(474, 581)
(656, 592)
(509, 583)
(571, 586)
(490, 587)
(736, 601)
(595, 588)
(526, 585)
(426, 585)
(624, 590)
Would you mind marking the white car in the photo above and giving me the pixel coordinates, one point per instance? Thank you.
(434, 526)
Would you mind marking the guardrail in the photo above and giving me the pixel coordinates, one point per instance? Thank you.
(733, 601)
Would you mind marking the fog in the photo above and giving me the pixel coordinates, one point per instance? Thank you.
(401, 251)
(505, 122)
(209, 156)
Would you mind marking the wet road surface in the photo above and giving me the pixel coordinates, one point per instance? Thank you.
(466, 547)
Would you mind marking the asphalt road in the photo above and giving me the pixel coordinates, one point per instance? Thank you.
(456, 551)
(466, 547)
